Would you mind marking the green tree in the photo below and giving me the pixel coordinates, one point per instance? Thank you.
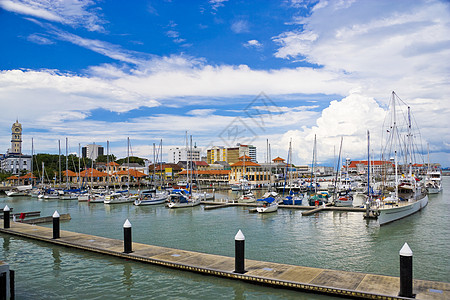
(104, 158)
(133, 159)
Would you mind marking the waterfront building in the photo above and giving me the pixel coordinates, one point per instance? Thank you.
(251, 171)
(377, 166)
(230, 155)
(14, 161)
(184, 154)
(92, 151)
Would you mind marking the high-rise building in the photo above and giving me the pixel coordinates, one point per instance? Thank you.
(184, 154)
(230, 155)
(92, 151)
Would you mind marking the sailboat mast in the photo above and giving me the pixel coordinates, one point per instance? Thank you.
(107, 163)
(32, 157)
(395, 146)
(59, 162)
(368, 165)
(128, 163)
(67, 166)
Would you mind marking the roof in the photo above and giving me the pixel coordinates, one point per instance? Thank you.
(207, 172)
(162, 167)
(278, 159)
(12, 177)
(69, 173)
(200, 163)
(27, 176)
(246, 157)
(92, 172)
(131, 172)
(246, 163)
(354, 163)
(112, 163)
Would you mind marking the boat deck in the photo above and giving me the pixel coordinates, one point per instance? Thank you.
(332, 282)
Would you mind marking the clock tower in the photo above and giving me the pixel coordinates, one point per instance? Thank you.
(16, 138)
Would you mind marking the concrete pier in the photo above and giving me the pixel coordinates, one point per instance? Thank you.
(331, 282)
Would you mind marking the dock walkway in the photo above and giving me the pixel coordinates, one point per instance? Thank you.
(348, 284)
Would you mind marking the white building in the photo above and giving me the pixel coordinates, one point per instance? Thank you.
(14, 161)
(184, 154)
(92, 151)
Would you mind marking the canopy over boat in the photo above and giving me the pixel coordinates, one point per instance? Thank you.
(268, 200)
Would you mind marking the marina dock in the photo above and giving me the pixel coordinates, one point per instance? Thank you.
(306, 279)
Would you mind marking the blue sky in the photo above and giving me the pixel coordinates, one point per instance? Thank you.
(279, 70)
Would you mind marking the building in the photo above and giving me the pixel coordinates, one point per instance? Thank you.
(14, 161)
(251, 171)
(230, 155)
(184, 154)
(92, 151)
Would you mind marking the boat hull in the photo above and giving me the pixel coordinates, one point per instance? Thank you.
(183, 204)
(436, 190)
(393, 213)
(267, 209)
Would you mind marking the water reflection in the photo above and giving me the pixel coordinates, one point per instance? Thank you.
(6, 242)
(56, 261)
(127, 277)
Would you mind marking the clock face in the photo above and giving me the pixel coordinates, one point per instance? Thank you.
(17, 129)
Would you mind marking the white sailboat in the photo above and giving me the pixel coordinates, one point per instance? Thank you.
(408, 195)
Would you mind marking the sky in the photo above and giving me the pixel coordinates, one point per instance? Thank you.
(225, 72)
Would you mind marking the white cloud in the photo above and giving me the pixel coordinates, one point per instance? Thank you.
(240, 26)
(253, 44)
(215, 4)
(69, 12)
(39, 39)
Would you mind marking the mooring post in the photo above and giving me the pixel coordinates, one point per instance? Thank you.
(127, 237)
(239, 253)
(406, 272)
(56, 234)
(6, 221)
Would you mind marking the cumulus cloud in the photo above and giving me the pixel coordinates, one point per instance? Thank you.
(76, 13)
(253, 44)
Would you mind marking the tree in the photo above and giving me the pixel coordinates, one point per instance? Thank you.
(104, 158)
(133, 159)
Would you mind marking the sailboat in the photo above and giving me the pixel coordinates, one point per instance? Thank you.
(179, 198)
(152, 197)
(317, 198)
(407, 196)
(293, 198)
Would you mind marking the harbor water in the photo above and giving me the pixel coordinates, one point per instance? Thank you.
(330, 240)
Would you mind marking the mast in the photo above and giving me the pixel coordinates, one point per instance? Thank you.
(79, 166)
(32, 157)
(337, 169)
(67, 167)
(368, 166)
(42, 178)
(107, 164)
(128, 163)
(59, 162)
(395, 147)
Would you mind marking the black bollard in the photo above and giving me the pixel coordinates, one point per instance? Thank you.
(127, 237)
(406, 272)
(6, 221)
(56, 234)
(239, 250)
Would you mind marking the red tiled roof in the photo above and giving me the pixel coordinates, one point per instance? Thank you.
(14, 177)
(278, 159)
(92, 172)
(207, 172)
(27, 176)
(246, 157)
(246, 163)
(132, 172)
(201, 163)
(354, 163)
(113, 164)
(69, 173)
